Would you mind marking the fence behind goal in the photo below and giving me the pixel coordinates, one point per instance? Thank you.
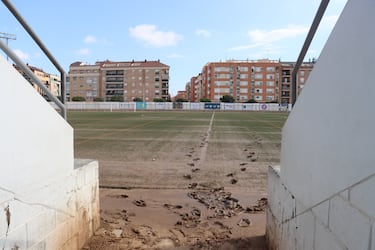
(186, 106)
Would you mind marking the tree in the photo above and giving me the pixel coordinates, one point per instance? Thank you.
(117, 98)
(227, 98)
(137, 99)
(98, 99)
(78, 99)
(181, 100)
(251, 101)
(159, 100)
(204, 99)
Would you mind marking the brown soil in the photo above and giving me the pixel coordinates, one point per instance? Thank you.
(202, 195)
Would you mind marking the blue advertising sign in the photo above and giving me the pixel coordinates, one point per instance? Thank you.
(210, 105)
(141, 105)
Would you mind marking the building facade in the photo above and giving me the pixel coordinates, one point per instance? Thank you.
(181, 95)
(84, 81)
(50, 81)
(141, 80)
(260, 81)
(285, 85)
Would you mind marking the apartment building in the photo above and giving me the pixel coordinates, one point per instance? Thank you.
(181, 95)
(194, 88)
(244, 80)
(285, 88)
(146, 80)
(50, 81)
(84, 80)
(260, 80)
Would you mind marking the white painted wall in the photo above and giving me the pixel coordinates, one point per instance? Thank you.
(36, 143)
(47, 200)
(322, 196)
(328, 140)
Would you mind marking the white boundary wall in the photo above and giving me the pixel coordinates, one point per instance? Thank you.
(47, 201)
(322, 196)
(187, 106)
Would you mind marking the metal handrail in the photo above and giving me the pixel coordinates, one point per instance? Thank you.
(35, 79)
(14, 57)
(314, 26)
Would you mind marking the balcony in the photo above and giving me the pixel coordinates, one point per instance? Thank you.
(114, 92)
(114, 79)
(114, 86)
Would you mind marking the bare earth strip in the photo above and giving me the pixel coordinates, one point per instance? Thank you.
(169, 186)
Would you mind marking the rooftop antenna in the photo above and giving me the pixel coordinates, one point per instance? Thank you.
(7, 37)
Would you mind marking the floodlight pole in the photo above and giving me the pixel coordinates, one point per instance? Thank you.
(314, 26)
(7, 37)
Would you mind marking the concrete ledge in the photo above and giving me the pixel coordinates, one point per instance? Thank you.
(62, 213)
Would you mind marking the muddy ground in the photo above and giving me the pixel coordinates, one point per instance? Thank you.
(206, 193)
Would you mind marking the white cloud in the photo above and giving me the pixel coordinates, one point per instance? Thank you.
(22, 55)
(261, 38)
(150, 35)
(202, 32)
(175, 56)
(83, 52)
(90, 39)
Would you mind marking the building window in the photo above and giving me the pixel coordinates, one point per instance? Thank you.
(270, 76)
(270, 69)
(258, 69)
(258, 91)
(258, 76)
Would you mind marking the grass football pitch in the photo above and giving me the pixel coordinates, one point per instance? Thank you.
(156, 149)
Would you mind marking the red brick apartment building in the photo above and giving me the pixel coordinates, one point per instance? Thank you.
(181, 94)
(261, 80)
(147, 80)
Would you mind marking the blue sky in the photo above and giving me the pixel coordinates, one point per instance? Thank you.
(183, 34)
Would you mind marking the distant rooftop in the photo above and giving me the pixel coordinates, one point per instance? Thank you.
(110, 64)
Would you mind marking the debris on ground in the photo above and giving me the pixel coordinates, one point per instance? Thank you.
(139, 203)
(259, 207)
